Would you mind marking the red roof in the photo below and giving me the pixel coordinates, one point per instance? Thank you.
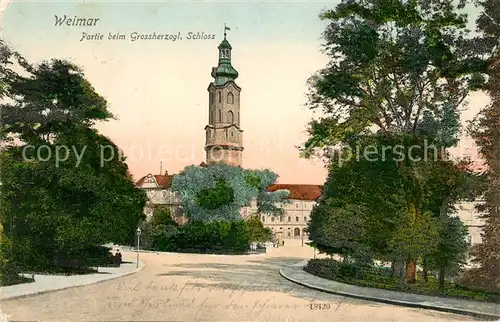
(164, 181)
(308, 192)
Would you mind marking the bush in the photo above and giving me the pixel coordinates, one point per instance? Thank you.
(217, 237)
(98, 256)
(381, 277)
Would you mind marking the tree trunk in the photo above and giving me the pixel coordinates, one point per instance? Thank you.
(411, 271)
(400, 268)
(424, 271)
(393, 268)
(441, 279)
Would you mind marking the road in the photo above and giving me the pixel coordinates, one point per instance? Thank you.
(184, 287)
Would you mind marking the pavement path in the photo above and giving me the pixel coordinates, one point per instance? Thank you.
(184, 287)
(482, 310)
(47, 283)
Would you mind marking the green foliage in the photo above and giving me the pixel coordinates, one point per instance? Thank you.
(158, 230)
(363, 211)
(399, 72)
(486, 132)
(218, 237)
(56, 209)
(382, 278)
(415, 235)
(218, 192)
(231, 237)
(253, 180)
(218, 196)
(361, 204)
(256, 230)
(403, 72)
(451, 252)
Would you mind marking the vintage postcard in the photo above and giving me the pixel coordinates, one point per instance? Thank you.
(250, 161)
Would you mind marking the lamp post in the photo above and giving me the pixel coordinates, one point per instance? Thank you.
(138, 233)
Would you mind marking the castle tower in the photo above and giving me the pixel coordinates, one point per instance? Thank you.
(223, 134)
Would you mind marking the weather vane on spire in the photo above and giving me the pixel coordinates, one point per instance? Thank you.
(226, 29)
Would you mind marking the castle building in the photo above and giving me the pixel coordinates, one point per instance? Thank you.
(224, 143)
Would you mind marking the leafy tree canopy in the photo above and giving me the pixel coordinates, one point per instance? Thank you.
(218, 191)
(396, 66)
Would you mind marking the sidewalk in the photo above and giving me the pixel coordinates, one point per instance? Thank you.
(250, 253)
(487, 311)
(50, 283)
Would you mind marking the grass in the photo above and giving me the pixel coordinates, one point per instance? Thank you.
(379, 277)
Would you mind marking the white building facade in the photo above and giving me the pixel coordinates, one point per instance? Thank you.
(470, 217)
(297, 213)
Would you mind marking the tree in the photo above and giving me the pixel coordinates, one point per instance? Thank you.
(361, 203)
(218, 191)
(159, 229)
(336, 230)
(486, 131)
(402, 68)
(451, 251)
(65, 186)
(256, 230)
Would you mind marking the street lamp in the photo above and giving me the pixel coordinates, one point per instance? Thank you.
(138, 233)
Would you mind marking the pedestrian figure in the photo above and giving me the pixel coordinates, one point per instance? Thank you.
(118, 258)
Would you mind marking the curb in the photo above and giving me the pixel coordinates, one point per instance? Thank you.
(112, 277)
(193, 254)
(479, 315)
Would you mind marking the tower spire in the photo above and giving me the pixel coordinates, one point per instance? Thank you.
(225, 29)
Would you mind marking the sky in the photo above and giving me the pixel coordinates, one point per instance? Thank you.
(158, 88)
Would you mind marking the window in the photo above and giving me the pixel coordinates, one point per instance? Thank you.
(219, 97)
(230, 98)
(272, 219)
(288, 234)
(211, 98)
(230, 117)
(263, 218)
(219, 116)
(305, 219)
(281, 219)
(296, 205)
(289, 219)
(297, 219)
